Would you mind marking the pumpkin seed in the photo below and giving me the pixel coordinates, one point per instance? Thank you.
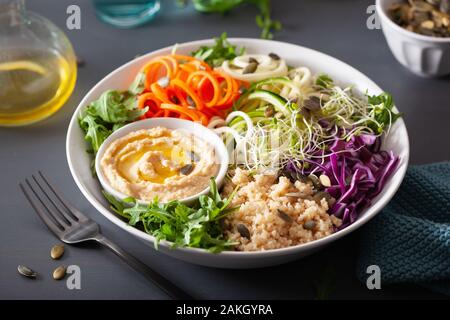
(186, 169)
(293, 176)
(284, 216)
(27, 272)
(421, 5)
(59, 273)
(57, 251)
(428, 24)
(250, 68)
(417, 17)
(325, 180)
(274, 56)
(300, 195)
(426, 17)
(323, 195)
(163, 82)
(243, 231)
(315, 181)
(312, 104)
(305, 113)
(253, 60)
(309, 225)
(269, 111)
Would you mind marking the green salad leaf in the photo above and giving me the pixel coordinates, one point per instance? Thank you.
(222, 50)
(110, 112)
(196, 226)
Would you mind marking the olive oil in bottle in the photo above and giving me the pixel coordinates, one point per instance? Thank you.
(33, 84)
(37, 65)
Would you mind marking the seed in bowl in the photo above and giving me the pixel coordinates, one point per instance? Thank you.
(429, 18)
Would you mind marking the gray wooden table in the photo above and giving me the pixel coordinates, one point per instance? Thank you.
(334, 27)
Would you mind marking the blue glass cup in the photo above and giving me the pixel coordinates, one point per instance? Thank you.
(126, 13)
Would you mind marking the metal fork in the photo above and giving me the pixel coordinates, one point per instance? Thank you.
(71, 226)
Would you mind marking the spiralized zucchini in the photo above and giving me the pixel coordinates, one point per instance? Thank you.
(275, 122)
(255, 67)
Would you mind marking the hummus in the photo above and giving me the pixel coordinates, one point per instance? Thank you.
(159, 162)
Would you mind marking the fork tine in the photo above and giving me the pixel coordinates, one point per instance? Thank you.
(52, 225)
(62, 222)
(76, 215)
(62, 211)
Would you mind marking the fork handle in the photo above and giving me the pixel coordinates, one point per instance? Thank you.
(165, 285)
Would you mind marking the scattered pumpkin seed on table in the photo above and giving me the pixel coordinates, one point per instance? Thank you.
(27, 272)
(57, 251)
(59, 273)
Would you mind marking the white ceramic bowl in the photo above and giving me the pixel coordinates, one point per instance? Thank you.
(79, 160)
(423, 55)
(189, 127)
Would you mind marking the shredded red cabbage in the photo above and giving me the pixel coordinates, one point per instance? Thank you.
(358, 171)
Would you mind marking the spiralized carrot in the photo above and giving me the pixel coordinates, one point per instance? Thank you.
(187, 88)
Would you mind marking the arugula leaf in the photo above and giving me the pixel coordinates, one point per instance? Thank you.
(197, 226)
(114, 107)
(116, 205)
(95, 133)
(215, 55)
(110, 112)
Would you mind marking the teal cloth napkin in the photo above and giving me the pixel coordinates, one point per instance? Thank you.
(410, 239)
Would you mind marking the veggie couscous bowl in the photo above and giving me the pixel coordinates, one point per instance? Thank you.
(266, 214)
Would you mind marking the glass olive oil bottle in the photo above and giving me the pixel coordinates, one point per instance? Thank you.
(37, 66)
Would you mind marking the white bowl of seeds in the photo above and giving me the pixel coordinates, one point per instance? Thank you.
(418, 34)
